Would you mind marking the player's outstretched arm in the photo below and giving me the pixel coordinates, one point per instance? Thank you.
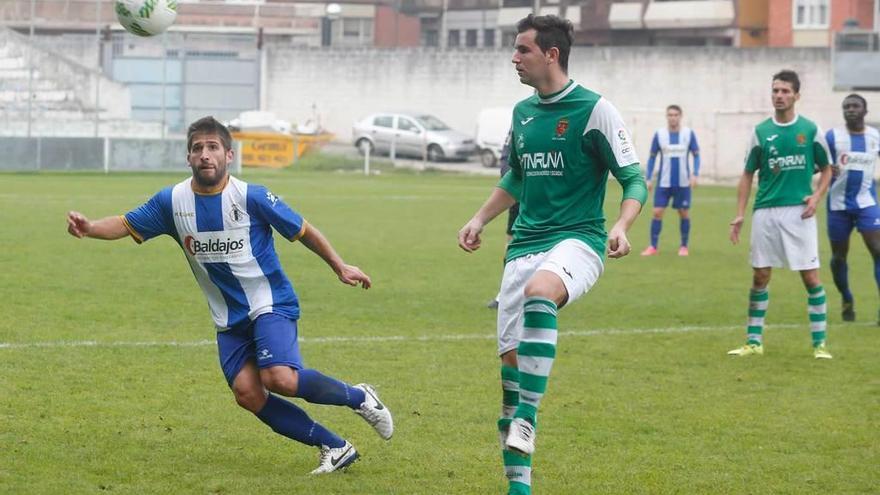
(469, 235)
(743, 191)
(109, 228)
(318, 244)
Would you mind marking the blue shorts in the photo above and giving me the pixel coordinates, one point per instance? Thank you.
(841, 222)
(270, 340)
(681, 197)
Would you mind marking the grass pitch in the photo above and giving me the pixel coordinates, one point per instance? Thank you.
(109, 381)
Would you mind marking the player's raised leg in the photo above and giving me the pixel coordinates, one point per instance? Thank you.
(277, 353)
(544, 293)
(288, 420)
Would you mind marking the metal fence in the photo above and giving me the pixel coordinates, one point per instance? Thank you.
(95, 154)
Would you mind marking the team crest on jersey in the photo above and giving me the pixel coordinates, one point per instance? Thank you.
(801, 139)
(520, 141)
(561, 127)
(236, 213)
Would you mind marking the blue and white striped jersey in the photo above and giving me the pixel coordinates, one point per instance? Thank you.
(855, 157)
(227, 240)
(674, 149)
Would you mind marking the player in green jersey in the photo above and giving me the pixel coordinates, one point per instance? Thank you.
(564, 142)
(784, 150)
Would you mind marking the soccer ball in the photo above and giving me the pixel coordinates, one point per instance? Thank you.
(146, 17)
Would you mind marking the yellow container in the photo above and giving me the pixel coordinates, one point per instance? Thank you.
(273, 150)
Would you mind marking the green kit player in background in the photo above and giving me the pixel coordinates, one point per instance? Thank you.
(564, 141)
(784, 150)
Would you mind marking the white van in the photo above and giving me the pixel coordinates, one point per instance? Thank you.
(493, 126)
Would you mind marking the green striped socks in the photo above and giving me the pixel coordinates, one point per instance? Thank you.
(817, 310)
(758, 302)
(535, 354)
(517, 468)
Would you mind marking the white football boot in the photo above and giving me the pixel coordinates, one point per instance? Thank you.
(374, 412)
(335, 459)
(521, 437)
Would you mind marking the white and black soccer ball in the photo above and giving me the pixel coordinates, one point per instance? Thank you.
(146, 17)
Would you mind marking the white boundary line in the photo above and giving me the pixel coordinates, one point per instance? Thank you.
(389, 338)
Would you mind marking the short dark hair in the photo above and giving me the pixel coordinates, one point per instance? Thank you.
(208, 125)
(790, 77)
(674, 107)
(551, 31)
(858, 97)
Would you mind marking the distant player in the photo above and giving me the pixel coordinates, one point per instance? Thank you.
(565, 142)
(784, 150)
(224, 227)
(852, 198)
(675, 179)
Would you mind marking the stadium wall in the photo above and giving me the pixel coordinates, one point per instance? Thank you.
(724, 91)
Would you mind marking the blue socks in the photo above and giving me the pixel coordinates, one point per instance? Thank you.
(685, 231)
(318, 388)
(286, 419)
(840, 272)
(656, 226)
(877, 270)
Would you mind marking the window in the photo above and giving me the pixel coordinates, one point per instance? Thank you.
(405, 124)
(453, 40)
(508, 38)
(488, 38)
(470, 38)
(430, 37)
(352, 31)
(384, 121)
(810, 13)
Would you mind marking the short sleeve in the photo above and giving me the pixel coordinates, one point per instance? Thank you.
(753, 153)
(152, 218)
(611, 136)
(832, 146)
(270, 208)
(820, 150)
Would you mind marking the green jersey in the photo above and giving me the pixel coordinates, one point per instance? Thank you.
(785, 157)
(562, 147)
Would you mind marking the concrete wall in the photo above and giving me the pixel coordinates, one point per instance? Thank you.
(724, 91)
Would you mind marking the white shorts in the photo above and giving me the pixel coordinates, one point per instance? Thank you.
(780, 237)
(571, 260)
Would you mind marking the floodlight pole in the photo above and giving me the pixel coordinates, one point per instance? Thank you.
(98, 67)
(164, 80)
(30, 87)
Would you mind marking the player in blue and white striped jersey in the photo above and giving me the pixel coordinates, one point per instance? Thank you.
(224, 227)
(675, 179)
(852, 198)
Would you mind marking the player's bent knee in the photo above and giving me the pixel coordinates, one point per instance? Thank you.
(280, 379)
(251, 398)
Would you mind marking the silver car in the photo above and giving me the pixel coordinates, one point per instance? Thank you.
(411, 134)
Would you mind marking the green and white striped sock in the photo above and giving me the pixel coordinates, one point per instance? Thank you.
(535, 355)
(758, 302)
(817, 310)
(517, 469)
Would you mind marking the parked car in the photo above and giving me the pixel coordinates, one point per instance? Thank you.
(411, 134)
(493, 126)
